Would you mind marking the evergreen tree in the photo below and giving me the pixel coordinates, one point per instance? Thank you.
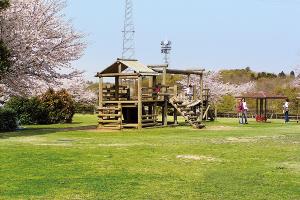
(292, 74)
(4, 4)
(281, 74)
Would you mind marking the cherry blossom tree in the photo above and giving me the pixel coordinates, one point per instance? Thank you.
(42, 45)
(217, 88)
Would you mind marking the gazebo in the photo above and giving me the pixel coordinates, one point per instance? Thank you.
(262, 99)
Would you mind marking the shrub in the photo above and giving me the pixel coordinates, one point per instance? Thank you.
(59, 105)
(29, 111)
(84, 108)
(49, 108)
(8, 120)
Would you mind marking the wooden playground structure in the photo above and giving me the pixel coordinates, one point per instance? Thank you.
(135, 99)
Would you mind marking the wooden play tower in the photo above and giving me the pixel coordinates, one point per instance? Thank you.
(133, 100)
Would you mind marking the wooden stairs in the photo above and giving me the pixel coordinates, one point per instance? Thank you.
(187, 112)
(110, 117)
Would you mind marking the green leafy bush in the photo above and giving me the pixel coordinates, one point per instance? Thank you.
(84, 108)
(8, 120)
(49, 108)
(29, 111)
(59, 105)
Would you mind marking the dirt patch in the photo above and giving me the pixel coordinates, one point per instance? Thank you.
(246, 139)
(197, 157)
(122, 145)
(293, 166)
(28, 139)
(241, 139)
(221, 128)
(54, 144)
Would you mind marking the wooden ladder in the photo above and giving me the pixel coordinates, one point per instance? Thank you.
(187, 112)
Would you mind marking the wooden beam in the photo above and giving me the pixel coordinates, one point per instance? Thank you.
(116, 74)
(201, 97)
(182, 72)
(158, 66)
(165, 111)
(100, 125)
(117, 88)
(140, 103)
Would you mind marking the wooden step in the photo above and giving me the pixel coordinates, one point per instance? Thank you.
(149, 124)
(109, 121)
(109, 108)
(129, 125)
(148, 120)
(109, 115)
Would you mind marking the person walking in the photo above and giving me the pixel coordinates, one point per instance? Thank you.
(286, 111)
(244, 111)
(239, 110)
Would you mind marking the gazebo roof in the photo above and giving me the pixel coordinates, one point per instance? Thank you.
(133, 65)
(261, 95)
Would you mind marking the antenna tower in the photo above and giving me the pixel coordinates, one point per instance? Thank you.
(128, 31)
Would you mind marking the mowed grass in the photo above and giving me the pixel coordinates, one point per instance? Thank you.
(224, 161)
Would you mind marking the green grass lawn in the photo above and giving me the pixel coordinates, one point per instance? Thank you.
(224, 161)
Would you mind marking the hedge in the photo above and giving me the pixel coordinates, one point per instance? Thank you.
(8, 120)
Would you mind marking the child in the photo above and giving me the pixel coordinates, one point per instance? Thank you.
(189, 92)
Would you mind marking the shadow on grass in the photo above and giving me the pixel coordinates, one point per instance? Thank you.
(43, 131)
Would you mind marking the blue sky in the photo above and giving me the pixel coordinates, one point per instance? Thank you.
(210, 34)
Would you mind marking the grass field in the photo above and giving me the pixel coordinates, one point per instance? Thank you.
(223, 161)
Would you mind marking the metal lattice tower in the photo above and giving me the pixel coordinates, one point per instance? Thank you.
(128, 32)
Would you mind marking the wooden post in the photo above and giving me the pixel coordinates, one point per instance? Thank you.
(261, 106)
(155, 97)
(188, 80)
(257, 107)
(194, 93)
(164, 78)
(175, 90)
(117, 88)
(100, 98)
(201, 97)
(266, 109)
(150, 81)
(175, 117)
(117, 82)
(140, 103)
(165, 111)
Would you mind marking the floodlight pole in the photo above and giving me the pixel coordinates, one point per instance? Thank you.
(166, 47)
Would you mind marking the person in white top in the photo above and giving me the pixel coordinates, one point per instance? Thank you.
(189, 92)
(286, 111)
(244, 111)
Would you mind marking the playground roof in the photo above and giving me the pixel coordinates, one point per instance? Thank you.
(133, 65)
(261, 95)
